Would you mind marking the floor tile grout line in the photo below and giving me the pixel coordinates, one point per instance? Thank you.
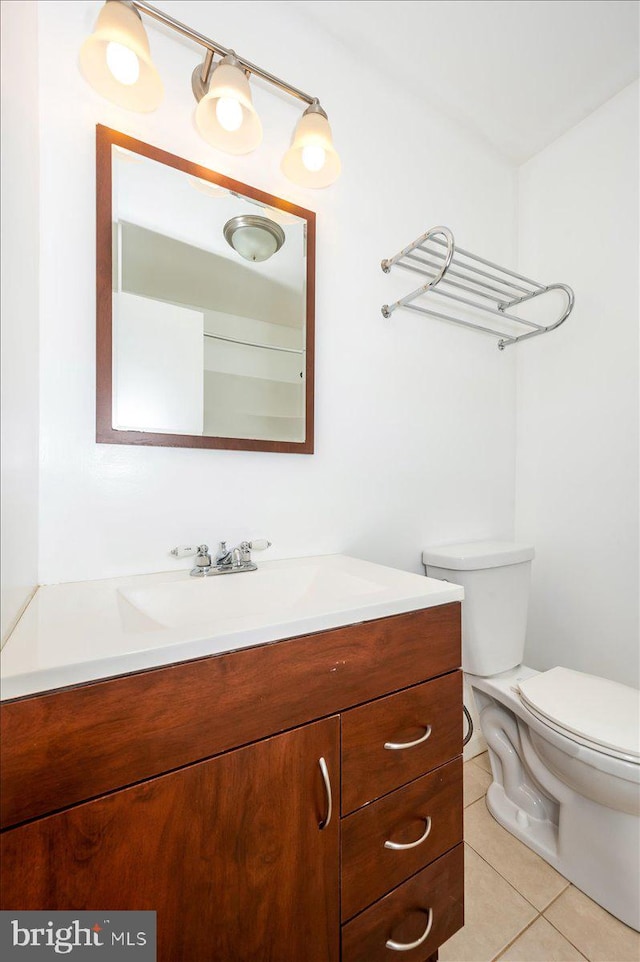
(564, 936)
(469, 804)
(515, 939)
(472, 761)
(483, 792)
(542, 916)
(556, 897)
(498, 872)
(503, 877)
(540, 913)
(510, 884)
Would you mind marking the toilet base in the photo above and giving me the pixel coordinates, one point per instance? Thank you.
(541, 835)
(602, 874)
(592, 845)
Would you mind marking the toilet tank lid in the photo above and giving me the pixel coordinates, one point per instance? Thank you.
(473, 555)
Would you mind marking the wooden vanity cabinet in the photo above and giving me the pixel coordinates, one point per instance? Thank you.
(228, 852)
(196, 790)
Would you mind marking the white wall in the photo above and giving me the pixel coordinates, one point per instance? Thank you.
(19, 455)
(414, 419)
(577, 452)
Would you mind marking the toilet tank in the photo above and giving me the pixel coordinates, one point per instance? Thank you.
(495, 576)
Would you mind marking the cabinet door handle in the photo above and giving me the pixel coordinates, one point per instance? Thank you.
(327, 787)
(407, 946)
(397, 746)
(399, 847)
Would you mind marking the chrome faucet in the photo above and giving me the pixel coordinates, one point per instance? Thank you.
(238, 558)
(226, 561)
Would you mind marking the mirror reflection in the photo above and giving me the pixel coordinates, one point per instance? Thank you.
(209, 307)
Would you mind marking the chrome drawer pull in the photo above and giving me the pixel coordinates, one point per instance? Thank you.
(398, 847)
(407, 946)
(396, 746)
(327, 786)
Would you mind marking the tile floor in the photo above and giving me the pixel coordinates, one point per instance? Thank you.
(518, 908)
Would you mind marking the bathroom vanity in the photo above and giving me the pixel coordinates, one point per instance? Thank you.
(286, 801)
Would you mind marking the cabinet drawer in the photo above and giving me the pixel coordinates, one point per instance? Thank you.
(393, 740)
(432, 900)
(429, 808)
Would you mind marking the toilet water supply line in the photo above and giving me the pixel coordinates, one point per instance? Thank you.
(467, 715)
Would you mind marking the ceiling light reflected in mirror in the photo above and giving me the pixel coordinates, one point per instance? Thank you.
(207, 187)
(253, 237)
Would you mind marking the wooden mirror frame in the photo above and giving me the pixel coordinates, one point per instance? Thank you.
(105, 432)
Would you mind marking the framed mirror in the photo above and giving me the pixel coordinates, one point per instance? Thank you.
(205, 306)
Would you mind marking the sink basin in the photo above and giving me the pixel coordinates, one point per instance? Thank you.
(271, 590)
(73, 633)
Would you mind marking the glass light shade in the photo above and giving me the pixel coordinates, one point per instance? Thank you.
(304, 163)
(102, 61)
(255, 238)
(229, 83)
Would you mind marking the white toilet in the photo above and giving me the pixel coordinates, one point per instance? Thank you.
(564, 746)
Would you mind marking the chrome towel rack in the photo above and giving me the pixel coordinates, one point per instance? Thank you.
(435, 256)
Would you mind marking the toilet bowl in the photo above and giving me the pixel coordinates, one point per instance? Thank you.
(564, 746)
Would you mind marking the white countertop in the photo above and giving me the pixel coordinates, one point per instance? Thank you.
(88, 630)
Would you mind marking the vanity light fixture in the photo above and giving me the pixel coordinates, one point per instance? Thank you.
(312, 161)
(116, 62)
(116, 59)
(255, 238)
(225, 116)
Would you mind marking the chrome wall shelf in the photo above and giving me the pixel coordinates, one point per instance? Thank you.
(435, 256)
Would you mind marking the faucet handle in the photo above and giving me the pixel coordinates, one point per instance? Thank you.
(246, 547)
(261, 544)
(184, 550)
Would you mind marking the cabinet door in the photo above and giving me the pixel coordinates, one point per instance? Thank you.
(229, 852)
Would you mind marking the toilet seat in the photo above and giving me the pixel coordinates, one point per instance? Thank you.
(600, 714)
(598, 753)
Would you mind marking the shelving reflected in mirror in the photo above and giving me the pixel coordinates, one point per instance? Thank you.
(205, 306)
